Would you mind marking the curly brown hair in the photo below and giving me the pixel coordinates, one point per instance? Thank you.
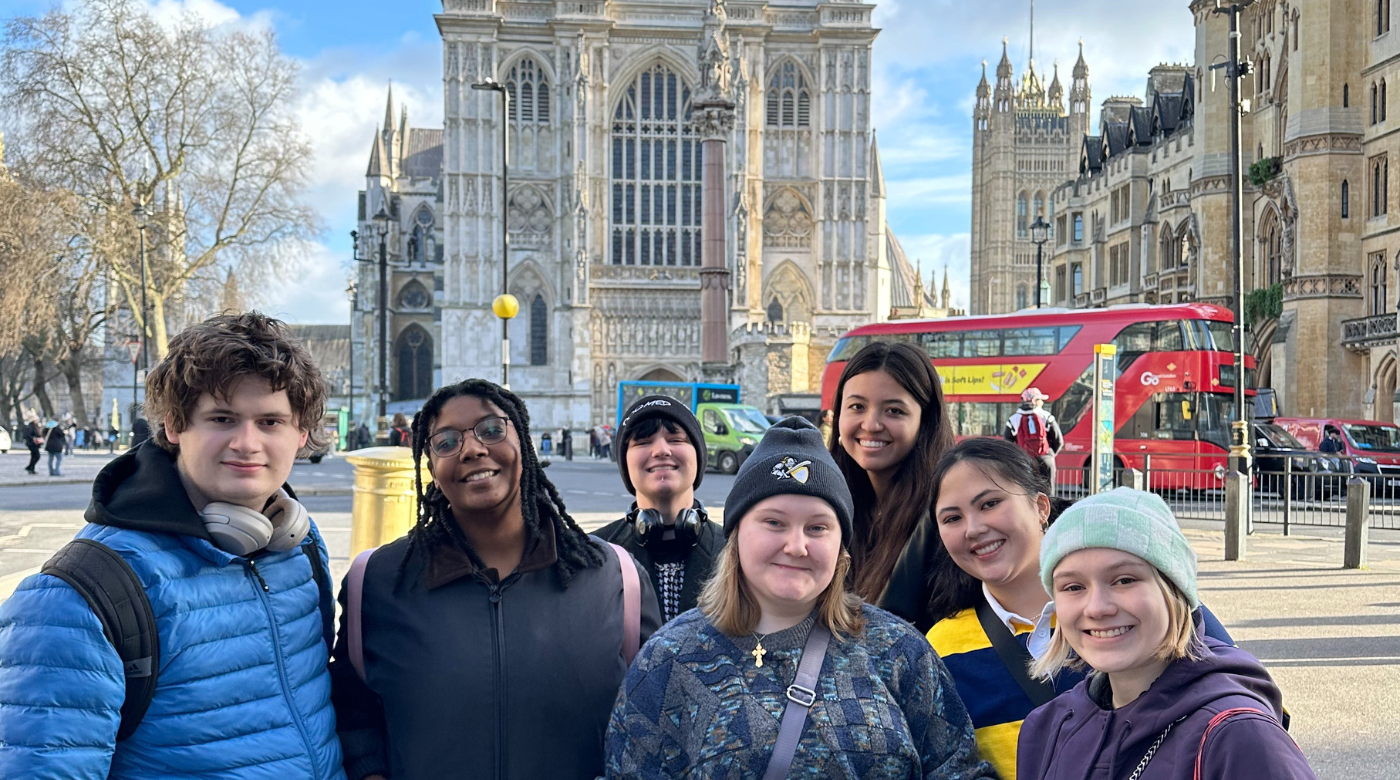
(212, 356)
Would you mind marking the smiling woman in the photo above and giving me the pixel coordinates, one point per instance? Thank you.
(495, 590)
(779, 646)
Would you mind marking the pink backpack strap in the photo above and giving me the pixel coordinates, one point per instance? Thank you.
(1219, 718)
(631, 604)
(354, 597)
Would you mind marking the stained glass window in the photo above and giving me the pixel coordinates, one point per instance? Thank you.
(655, 173)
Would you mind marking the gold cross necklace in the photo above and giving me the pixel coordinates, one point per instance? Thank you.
(758, 652)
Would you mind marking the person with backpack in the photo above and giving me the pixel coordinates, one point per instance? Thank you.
(992, 505)
(1164, 701)
(489, 642)
(55, 442)
(184, 632)
(661, 455)
(782, 671)
(1034, 429)
(399, 435)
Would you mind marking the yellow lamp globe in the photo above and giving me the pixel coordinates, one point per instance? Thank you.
(505, 306)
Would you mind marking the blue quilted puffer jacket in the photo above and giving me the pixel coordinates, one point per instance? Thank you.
(243, 690)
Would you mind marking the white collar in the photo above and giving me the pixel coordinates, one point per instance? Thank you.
(1007, 617)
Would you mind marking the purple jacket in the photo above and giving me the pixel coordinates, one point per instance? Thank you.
(1079, 736)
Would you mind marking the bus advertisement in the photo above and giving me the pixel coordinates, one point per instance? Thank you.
(1173, 393)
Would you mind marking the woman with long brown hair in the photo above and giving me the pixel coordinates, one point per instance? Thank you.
(891, 427)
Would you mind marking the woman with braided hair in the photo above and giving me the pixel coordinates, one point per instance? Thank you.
(494, 628)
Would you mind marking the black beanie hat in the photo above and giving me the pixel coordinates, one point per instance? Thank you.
(670, 410)
(790, 459)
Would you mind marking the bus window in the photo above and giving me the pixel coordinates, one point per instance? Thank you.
(1170, 337)
(846, 348)
(1030, 341)
(1071, 407)
(1067, 332)
(981, 343)
(1174, 417)
(1222, 336)
(942, 345)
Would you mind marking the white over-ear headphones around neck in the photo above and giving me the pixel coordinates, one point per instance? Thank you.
(238, 530)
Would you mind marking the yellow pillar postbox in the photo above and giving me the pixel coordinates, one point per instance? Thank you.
(385, 506)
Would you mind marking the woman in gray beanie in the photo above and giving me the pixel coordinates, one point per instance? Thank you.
(780, 669)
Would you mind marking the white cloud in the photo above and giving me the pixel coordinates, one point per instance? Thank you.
(935, 252)
(313, 290)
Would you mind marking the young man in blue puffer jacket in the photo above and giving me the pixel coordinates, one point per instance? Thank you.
(201, 515)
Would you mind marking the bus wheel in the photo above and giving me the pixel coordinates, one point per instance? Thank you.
(728, 463)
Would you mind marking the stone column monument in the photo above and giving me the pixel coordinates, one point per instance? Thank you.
(712, 117)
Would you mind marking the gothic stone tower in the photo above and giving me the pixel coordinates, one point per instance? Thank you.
(604, 204)
(1024, 145)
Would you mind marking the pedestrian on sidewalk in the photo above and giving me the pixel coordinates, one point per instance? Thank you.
(492, 636)
(112, 434)
(1162, 694)
(70, 433)
(593, 442)
(398, 432)
(1034, 429)
(546, 443)
(55, 441)
(34, 440)
(224, 565)
(991, 508)
(891, 426)
(566, 442)
(778, 637)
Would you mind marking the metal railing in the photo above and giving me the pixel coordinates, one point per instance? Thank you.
(1293, 489)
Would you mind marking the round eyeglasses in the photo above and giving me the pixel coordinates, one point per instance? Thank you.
(448, 442)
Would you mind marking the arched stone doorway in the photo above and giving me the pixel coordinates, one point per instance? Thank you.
(1385, 389)
(661, 375)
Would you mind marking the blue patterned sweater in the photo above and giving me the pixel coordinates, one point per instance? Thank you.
(694, 705)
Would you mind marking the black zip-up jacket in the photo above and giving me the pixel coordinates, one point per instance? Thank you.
(699, 559)
(471, 677)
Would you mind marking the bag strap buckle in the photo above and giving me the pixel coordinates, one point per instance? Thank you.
(803, 697)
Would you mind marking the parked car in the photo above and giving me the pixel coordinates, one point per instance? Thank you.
(1369, 448)
(5, 442)
(1314, 475)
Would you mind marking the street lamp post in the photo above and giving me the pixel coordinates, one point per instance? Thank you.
(353, 292)
(381, 228)
(1040, 233)
(1234, 71)
(505, 306)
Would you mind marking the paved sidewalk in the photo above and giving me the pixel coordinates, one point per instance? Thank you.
(82, 466)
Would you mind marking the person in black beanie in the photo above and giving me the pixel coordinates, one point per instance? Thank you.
(779, 645)
(661, 456)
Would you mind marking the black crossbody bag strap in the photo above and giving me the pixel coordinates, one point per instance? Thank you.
(802, 694)
(1014, 657)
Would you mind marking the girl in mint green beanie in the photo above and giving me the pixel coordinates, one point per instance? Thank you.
(1162, 695)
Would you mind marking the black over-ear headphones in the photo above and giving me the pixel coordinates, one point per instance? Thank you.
(651, 527)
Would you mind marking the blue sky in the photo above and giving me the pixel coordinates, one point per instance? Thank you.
(926, 65)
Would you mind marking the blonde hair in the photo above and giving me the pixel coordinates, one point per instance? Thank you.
(1181, 640)
(731, 607)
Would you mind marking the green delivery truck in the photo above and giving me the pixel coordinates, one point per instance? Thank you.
(731, 429)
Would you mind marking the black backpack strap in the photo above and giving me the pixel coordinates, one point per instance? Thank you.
(323, 584)
(114, 593)
(1014, 657)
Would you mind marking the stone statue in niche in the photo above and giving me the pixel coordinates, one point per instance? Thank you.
(714, 60)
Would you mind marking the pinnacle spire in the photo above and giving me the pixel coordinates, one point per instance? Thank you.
(1081, 68)
(389, 110)
(1004, 67)
(376, 155)
(877, 171)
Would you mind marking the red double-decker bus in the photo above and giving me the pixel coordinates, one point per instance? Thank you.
(1174, 389)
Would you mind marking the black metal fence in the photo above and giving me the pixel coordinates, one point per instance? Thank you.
(1303, 489)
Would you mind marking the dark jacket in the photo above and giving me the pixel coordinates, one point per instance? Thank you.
(33, 436)
(55, 440)
(474, 678)
(1079, 735)
(699, 560)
